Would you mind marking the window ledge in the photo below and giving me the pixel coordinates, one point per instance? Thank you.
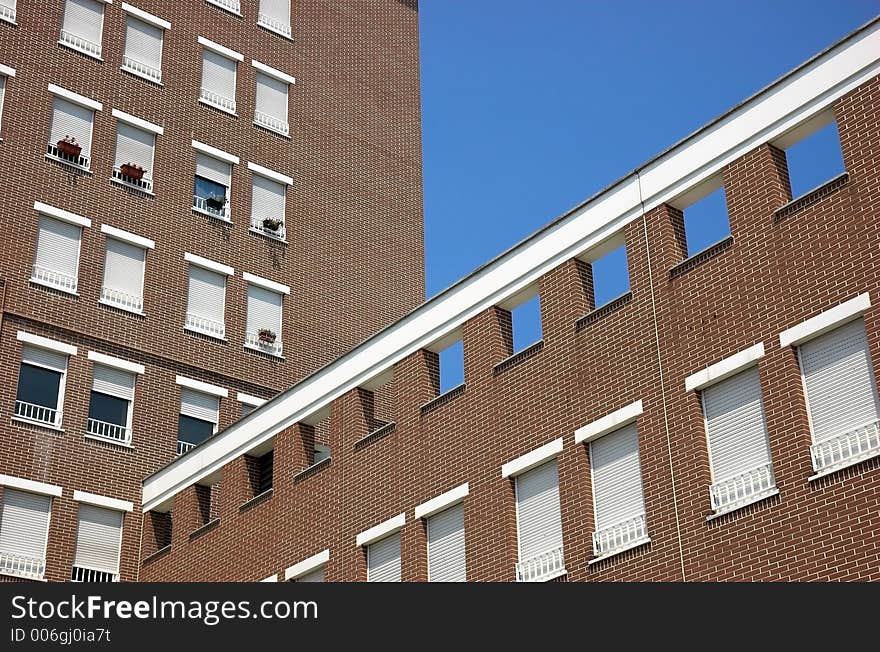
(632, 546)
(769, 493)
(91, 55)
(811, 197)
(225, 8)
(39, 424)
(256, 500)
(520, 356)
(443, 399)
(605, 309)
(225, 220)
(53, 287)
(256, 349)
(204, 529)
(840, 466)
(700, 257)
(7, 21)
(107, 440)
(274, 31)
(218, 107)
(375, 435)
(67, 164)
(260, 125)
(132, 71)
(131, 186)
(9, 573)
(309, 471)
(204, 334)
(161, 552)
(267, 236)
(115, 307)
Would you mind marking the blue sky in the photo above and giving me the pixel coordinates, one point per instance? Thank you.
(528, 107)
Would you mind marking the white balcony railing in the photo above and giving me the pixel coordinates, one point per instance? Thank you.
(82, 162)
(111, 431)
(230, 5)
(215, 99)
(747, 487)
(541, 568)
(38, 414)
(60, 280)
(79, 43)
(204, 325)
(184, 446)
(274, 25)
(620, 536)
(144, 183)
(201, 204)
(120, 299)
(7, 13)
(277, 234)
(82, 574)
(142, 69)
(21, 566)
(846, 449)
(272, 123)
(252, 340)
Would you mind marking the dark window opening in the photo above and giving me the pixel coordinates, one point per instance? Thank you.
(193, 431)
(264, 472)
(109, 409)
(38, 386)
(212, 193)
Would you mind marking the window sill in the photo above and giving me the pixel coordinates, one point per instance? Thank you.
(131, 186)
(769, 493)
(260, 125)
(161, 552)
(375, 435)
(54, 287)
(107, 440)
(204, 334)
(811, 197)
(256, 500)
(132, 71)
(67, 164)
(275, 31)
(518, 357)
(257, 349)
(204, 529)
(225, 220)
(605, 309)
(443, 399)
(8, 21)
(39, 424)
(265, 235)
(218, 107)
(123, 309)
(91, 55)
(9, 573)
(700, 257)
(840, 466)
(225, 8)
(309, 471)
(632, 546)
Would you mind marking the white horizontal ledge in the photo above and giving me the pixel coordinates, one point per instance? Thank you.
(273, 72)
(199, 386)
(271, 578)
(61, 214)
(144, 16)
(215, 153)
(531, 460)
(826, 321)
(609, 423)
(725, 368)
(140, 123)
(45, 343)
(270, 174)
(198, 261)
(7, 71)
(103, 501)
(443, 501)
(219, 49)
(125, 236)
(76, 98)
(247, 399)
(307, 565)
(266, 283)
(380, 531)
(116, 363)
(32, 486)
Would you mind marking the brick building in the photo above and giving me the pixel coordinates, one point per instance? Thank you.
(716, 421)
(212, 199)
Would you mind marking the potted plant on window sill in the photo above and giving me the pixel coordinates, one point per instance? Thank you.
(266, 336)
(69, 147)
(215, 202)
(132, 171)
(271, 224)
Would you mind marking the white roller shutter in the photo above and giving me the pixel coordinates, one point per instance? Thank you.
(84, 18)
(98, 539)
(539, 521)
(115, 382)
(272, 97)
(134, 146)
(199, 405)
(24, 524)
(839, 380)
(316, 575)
(213, 169)
(735, 424)
(124, 267)
(267, 199)
(218, 74)
(44, 358)
(446, 558)
(58, 246)
(617, 477)
(278, 10)
(263, 310)
(69, 119)
(207, 293)
(143, 42)
(383, 560)
(2, 95)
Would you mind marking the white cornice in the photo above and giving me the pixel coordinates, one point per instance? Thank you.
(134, 121)
(273, 72)
(45, 343)
(609, 423)
(61, 214)
(378, 532)
(441, 502)
(144, 16)
(76, 98)
(103, 501)
(826, 321)
(7, 71)
(307, 565)
(32, 486)
(199, 386)
(247, 399)
(221, 50)
(116, 363)
(270, 174)
(725, 368)
(215, 153)
(125, 236)
(206, 263)
(532, 459)
(265, 283)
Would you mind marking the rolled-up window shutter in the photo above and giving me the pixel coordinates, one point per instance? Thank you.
(218, 74)
(98, 539)
(272, 96)
(2, 95)
(69, 119)
(538, 514)
(278, 10)
(199, 405)
(213, 169)
(207, 293)
(264, 310)
(316, 575)
(617, 477)
(84, 18)
(143, 42)
(44, 358)
(383, 560)
(124, 267)
(267, 200)
(115, 382)
(58, 246)
(134, 146)
(446, 558)
(24, 524)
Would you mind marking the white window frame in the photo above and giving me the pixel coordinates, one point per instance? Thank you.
(79, 43)
(111, 504)
(232, 6)
(85, 163)
(6, 73)
(8, 12)
(251, 339)
(277, 177)
(138, 68)
(63, 216)
(66, 350)
(217, 268)
(144, 184)
(225, 157)
(134, 240)
(206, 96)
(100, 359)
(279, 28)
(264, 120)
(38, 488)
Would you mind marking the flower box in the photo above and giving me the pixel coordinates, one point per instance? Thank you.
(69, 148)
(132, 171)
(215, 203)
(266, 336)
(272, 225)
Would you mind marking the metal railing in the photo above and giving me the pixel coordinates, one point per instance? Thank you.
(274, 25)
(21, 566)
(184, 446)
(620, 536)
(253, 340)
(204, 325)
(121, 299)
(7, 12)
(58, 280)
(278, 234)
(106, 430)
(144, 183)
(79, 43)
(82, 574)
(215, 99)
(743, 488)
(81, 161)
(140, 68)
(847, 448)
(201, 204)
(271, 122)
(232, 5)
(38, 413)
(541, 568)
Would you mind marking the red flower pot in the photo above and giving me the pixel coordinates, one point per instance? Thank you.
(131, 172)
(69, 149)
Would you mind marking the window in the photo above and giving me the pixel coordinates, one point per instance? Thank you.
(218, 76)
(110, 404)
(264, 301)
(41, 379)
(82, 26)
(841, 397)
(271, 107)
(321, 453)
(617, 492)
(24, 531)
(56, 262)
(526, 323)
(249, 403)
(124, 265)
(70, 136)
(705, 222)
(144, 35)
(5, 71)
(451, 366)
(212, 182)
(738, 448)
(98, 541)
(264, 472)
(446, 557)
(275, 15)
(232, 6)
(383, 560)
(308, 570)
(206, 301)
(812, 153)
(7, 11)
(135, 151)
(610, 276)
(539, 524)
(199, 414)
(268, 201)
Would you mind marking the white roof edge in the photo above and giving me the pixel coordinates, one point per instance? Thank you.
(273, 72)
(825, 321)
(307, 565)
(130, 238)
(265, 283)
(443, 501)
(45, 343)
(725, 368)
(609, 423)
(378, 532)
(140, 123)
(220, 49)
(144, 16)
(32, 486)
(103, 501)
(200, 386)
(208, 150)
(270, 174)
(7, 71)
(76, 98)
(775, 110)
(61, 214)
(214, 266)
(117, 363)
(247, 399)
